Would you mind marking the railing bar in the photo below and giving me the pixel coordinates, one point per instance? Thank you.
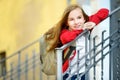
(23, 66)
(97, 46)
(78, 62)
(114, 11)
(69, 69)
(92, 56)
(15, 53)
(106, 39)
(59, 66)
(30, 59)
(87, 42)
(26, 68)
(110, 50)
(82, 64)
(100, 51)
(116, 38)
(31, 67)
(102, 54)
(11, 78)
(89, 67)
(19, 69)
(77, 69)
(4, 73)
(86, 55)
(37, 63)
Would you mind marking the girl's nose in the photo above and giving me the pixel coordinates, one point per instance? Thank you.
(76, 21)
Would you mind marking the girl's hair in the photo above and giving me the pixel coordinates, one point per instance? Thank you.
(54, 33)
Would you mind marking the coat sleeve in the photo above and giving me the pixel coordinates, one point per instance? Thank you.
(99, 16)
(67, 36)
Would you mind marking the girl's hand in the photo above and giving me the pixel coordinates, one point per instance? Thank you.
(89, 25)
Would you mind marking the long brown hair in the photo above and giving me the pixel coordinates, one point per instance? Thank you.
(54, 33)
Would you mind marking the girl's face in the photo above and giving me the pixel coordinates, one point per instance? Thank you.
(75, 19)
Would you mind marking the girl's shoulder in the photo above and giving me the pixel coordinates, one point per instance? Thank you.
(64, 30)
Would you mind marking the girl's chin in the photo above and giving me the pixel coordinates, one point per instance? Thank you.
(77, 28)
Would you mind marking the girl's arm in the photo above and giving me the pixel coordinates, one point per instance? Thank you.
(99, 16)
(96, 18)
(67, 35)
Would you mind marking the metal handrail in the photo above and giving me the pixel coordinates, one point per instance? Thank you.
(23, 48)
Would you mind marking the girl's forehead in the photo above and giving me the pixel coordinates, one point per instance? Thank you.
(76, 11)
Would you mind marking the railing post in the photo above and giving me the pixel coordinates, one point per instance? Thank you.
(19, 62)
(94, 59)
(59, 64)
(87, 37)
(11, 76)
(26, 68)
(4, 74)
(33, 62)
(102, 45)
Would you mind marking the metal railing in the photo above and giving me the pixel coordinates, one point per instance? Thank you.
(24, 64)
(93, 59)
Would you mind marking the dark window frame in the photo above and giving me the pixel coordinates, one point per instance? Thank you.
(3, 63)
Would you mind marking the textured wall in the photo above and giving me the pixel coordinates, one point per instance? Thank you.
(23, 21)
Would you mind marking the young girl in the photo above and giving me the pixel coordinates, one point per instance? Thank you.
(72, 23)
(75, 21)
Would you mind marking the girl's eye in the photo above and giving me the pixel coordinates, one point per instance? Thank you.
(71, 19)
(79, 17)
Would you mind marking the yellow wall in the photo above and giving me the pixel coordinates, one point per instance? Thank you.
(23, 21)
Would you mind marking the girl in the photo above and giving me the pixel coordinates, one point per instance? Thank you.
(72, 23)
(75, 21)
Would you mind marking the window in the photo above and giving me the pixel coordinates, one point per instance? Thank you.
(2, 64)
